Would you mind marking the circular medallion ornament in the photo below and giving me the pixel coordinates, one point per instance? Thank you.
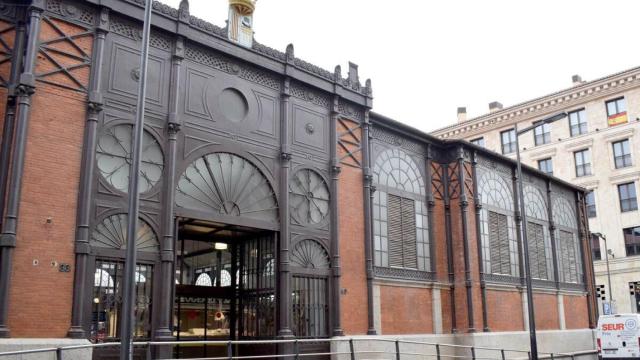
(114, 158)
(309, 197)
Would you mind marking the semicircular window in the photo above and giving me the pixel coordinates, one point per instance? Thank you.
(227, 184)
(114, 158)
(309, 197)
(310, 254)
(112, 233)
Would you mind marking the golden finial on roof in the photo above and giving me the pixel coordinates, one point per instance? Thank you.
(243, 7)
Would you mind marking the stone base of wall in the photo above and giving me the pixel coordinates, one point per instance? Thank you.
(423, 346)
(13, 344)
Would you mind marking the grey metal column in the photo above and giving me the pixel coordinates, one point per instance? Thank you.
(449, 239)
(129, 281)
(430, 201)
(23, 92)
(284, 272)
(83, 215)
(368, 215)
(464, 204)
(527, 259)
(335, 219)
(10, 111)
(518, 219)
(167, 256)
(552, 236)
(478, 209)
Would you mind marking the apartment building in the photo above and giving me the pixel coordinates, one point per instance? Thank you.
(597, 147)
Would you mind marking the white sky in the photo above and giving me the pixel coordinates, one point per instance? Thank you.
(426, 58)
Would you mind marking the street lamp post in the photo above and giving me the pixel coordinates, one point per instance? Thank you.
(523, 230)
(606, 257)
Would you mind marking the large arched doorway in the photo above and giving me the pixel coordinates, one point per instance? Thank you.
(227, 218)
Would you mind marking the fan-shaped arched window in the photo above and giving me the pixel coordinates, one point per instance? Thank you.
(497, 226)
(204, 280)
(401, 236)
(310, 254)
(568, 250)
(227, 184)
(538, 237)
(112, 233)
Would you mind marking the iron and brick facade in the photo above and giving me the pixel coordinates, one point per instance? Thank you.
(272, 198)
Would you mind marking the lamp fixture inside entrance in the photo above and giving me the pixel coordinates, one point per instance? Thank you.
(220, 246)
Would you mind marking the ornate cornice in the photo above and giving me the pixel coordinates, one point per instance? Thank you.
(541, 106)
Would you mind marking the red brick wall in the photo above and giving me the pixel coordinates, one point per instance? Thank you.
(405, 310)
(546, 309)
(351, 209)
(575, 312)
(49, 190)
(504, 310)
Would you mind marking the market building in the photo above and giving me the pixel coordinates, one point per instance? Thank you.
(595, 147)
(274, 202)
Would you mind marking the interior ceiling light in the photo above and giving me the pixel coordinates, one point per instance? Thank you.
(220, 246)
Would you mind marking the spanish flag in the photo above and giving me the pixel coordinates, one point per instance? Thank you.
(617, 119)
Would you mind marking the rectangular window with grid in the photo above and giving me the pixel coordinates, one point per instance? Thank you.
(568, 257)
(627, 195)
(537, 251)
(622, 153)
(546, 166)
(499, 252)
(542, 134)
(577, 122)
(590, 201)
(632, 240)
(508, 141)
(583, 162)
(595, 247)
(402, 232)
(478, 141)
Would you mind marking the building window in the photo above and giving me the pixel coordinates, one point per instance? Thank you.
(546, 166)
(583, 162)
(577, 122)
(478, 141)
(538, 237)
(595, 247)
(498, 235)
(542, 134)
(401, 236)
(622, 153)
(508, 140)
(566, 237)
(616, 111)
(627, 194)
(590, 200)
(632, 240)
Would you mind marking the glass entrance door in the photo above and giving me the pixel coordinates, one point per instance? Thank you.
(225, 286)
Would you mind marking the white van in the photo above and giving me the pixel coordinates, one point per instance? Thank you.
(619, 336)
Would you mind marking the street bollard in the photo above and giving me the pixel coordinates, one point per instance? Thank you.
(148, 352)
(502, 354)
(437, 351)
(229, 350)
(297, 350)
(473, 353)
(397, 349)
(58, 354)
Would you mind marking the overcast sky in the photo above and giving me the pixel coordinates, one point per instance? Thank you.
(426, 58)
